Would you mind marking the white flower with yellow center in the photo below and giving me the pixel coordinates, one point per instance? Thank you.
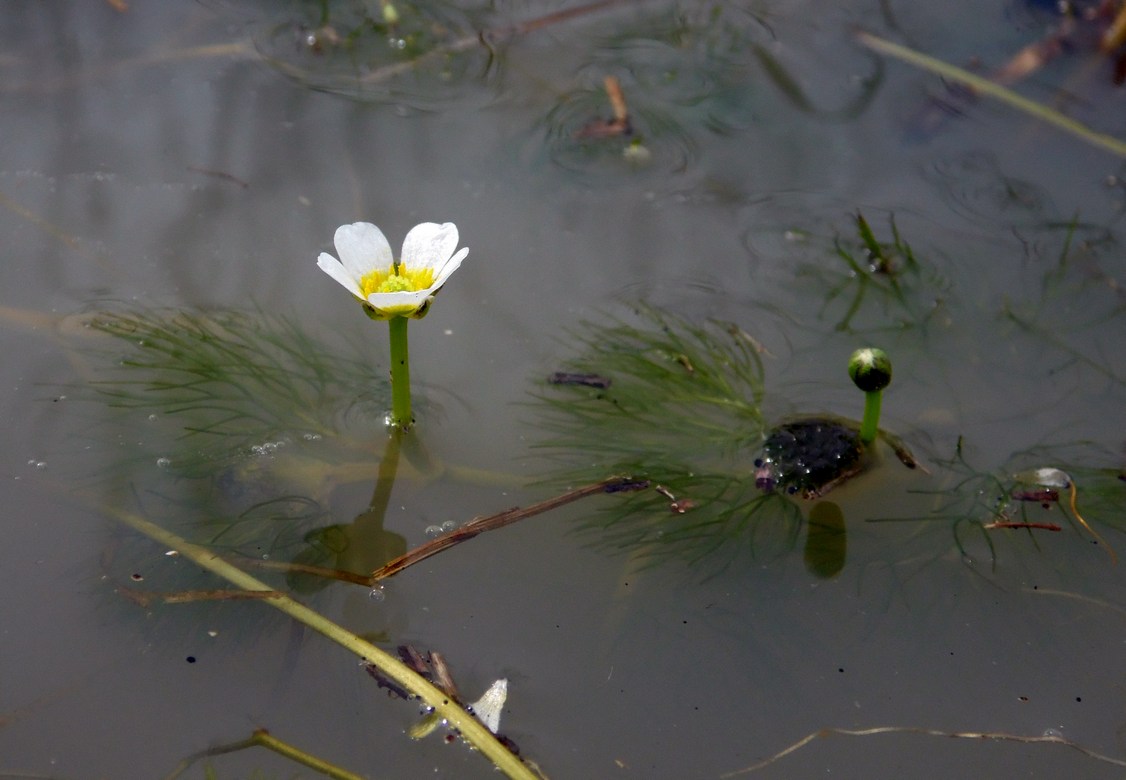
(394, 289)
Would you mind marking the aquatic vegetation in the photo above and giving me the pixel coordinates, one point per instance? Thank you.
(881, 283)
(395, 290)
(1084, 268)
(229, 381)
(676, 404)
(1020, 497)
(246, 422)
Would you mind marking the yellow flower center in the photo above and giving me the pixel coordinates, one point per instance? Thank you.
(406, 280)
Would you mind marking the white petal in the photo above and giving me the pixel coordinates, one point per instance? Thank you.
(398, 302)
(452, 265)
(488, 707)
(429, 245)
(331, 266)
(363, 248)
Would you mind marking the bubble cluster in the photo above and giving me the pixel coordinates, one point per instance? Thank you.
(268, 448)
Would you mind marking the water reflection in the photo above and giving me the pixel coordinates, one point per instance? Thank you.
(826, 541)
(426, 57)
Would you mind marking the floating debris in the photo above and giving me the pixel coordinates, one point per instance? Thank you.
(809, 457)
(487, 708)
(584, 380)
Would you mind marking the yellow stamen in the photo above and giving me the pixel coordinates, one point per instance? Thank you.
(406, 280)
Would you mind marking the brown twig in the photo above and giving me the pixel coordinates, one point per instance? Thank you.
(610, 128)
(145, 598)
(220, 175)
(995, 736)
(1015, 524)
(411, 557)
(304, 568)
(499, 520)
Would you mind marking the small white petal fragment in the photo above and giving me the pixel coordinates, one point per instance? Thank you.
(1047, 477)
(487, 708)
(1053, 478)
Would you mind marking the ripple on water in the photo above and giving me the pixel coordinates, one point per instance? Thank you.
(433, 58)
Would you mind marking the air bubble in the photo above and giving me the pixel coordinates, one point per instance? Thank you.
(448, 526)
(377, 594)
(312, 437)
(163, 463)
(152, 418)
(433, 530)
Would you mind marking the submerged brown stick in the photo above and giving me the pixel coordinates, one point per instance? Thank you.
(1016, 524)
(411, 557)
(500, 520)
(148, 598)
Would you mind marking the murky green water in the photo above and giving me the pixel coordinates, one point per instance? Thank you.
(186, 166)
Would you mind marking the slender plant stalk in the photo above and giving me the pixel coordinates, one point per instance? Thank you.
(993, 90)
(869, 425)
(400, 374)
(268, 740)
(474, 732)
(980, 736)
(263, 738)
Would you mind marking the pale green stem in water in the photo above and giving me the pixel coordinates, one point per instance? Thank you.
(400, 374)
(870, 424)
(263, 738)
(993, 90)
(472, 730)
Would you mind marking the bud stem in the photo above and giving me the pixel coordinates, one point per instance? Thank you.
(870, 424)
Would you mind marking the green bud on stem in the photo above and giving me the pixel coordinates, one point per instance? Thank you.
(870, 369)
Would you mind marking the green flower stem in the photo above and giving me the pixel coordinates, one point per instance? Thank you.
(871, 421)
(400, 374)
(472, 730)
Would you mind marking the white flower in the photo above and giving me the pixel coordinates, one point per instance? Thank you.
(388, 289)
